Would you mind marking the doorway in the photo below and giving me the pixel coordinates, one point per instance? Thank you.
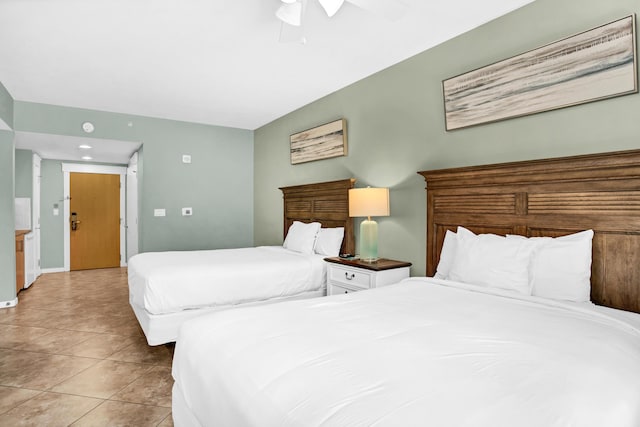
(115, 175)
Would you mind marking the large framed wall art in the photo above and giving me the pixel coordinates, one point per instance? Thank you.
(322, 142)
(596, 64)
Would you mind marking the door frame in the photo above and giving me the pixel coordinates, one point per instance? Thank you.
(132, 206)
(36, 190)
(67, 168)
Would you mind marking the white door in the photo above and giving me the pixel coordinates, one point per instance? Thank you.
(36, 213)
(132, 206)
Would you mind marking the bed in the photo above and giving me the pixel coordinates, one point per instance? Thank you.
(167, 288)
(430, 351)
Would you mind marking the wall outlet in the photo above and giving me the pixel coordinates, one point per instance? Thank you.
(186, 158)
(187, 211)
(159, 212)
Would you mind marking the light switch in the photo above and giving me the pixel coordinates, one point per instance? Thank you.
(159, 212)
(187, 211)
(186, 158)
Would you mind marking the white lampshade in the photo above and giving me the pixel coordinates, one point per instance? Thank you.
(331, 6)
(290, 13)
(369, 202)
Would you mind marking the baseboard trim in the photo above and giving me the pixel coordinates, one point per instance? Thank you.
(53, 270)
(9, 304)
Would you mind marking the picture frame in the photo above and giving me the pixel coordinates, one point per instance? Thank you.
(321, 142)
(596, 64)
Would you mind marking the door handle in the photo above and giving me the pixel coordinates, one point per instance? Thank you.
(74, 221)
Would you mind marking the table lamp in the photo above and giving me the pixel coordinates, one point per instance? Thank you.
(368, 202)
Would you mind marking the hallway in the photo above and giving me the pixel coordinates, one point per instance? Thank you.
(72, 353)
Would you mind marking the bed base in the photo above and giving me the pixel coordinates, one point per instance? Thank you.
(163, 328)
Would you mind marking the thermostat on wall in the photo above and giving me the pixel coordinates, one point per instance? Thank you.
(186, 158)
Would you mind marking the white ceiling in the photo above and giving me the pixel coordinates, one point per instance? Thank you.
(210, 61)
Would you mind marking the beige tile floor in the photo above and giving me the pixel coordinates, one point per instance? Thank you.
(72, 353)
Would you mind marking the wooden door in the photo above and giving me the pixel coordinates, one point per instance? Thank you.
(95, 220)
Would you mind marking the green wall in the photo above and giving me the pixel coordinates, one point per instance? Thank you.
(24, 174)
(6, 106)
(396, 124)
(7, 232)
(218, 184)
(7, 188)
(51, 226)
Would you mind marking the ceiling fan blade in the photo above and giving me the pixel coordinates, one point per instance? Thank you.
(292, 32)
(331, 6)
(290, 13)
(389, 9)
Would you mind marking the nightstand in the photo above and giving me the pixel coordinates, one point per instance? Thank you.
(346, 275)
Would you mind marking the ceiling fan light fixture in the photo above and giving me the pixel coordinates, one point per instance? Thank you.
(331, 6)
(290, 13)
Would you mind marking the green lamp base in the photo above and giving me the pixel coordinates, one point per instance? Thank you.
(369, 240)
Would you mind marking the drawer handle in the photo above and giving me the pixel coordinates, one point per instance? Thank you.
(346, 292)
(346, 276)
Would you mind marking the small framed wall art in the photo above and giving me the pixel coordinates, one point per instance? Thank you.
(321, 142)
(595, 64)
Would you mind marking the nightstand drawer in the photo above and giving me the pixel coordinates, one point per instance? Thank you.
(352, 277)
(337, 290)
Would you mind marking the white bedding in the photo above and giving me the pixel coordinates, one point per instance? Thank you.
(422, 352)
(169, 282)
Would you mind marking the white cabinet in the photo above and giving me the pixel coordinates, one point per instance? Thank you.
(30, 259)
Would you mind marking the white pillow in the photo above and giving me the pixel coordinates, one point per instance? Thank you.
(447, 255)
(329, 241)
(492, 261)
(301, 237)
(560, 267)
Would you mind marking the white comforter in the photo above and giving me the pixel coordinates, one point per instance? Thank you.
(419, 353)
(167, 282)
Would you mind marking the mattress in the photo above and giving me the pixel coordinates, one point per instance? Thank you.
(421, 352)
(169, 282)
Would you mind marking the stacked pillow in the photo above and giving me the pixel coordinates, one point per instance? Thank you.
(557, 268)
(309, 238)
(561, 267)
(329, 241)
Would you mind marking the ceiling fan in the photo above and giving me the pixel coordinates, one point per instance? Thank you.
(291, 12)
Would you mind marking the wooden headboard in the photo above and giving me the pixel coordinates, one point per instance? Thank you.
(324, 202)
(550, 197)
